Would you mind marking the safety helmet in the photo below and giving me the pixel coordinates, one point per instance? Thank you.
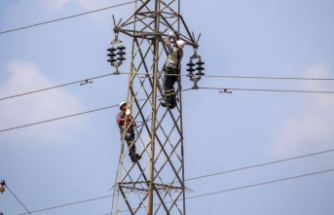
(180, 44)
(121, 104)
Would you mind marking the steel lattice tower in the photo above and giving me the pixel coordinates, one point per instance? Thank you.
(154, 184)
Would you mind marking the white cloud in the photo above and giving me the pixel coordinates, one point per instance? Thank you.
(25, 77)
(312, 128)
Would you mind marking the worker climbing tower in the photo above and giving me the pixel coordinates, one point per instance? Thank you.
(153, 184)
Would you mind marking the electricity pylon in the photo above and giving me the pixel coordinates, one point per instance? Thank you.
(155, 183)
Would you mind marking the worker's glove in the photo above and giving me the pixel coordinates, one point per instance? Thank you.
(128, 112)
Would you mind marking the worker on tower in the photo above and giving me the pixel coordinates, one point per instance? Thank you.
(172, 68)
(126, 124)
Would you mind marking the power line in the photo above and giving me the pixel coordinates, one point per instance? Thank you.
(260, 165)
(55, 119)
(65, 18)
(268, 77)
(204, 176)
(63, 117)
(54, 87)
(230, 89)
(245, 77)
(70, 204)
(28, 212)
(260, 184)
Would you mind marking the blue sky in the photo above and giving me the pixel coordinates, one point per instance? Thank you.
(76, 158)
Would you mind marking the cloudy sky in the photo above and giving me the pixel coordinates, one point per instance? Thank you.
(75, 159)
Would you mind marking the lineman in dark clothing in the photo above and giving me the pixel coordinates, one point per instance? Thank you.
(124, 119)
(172, 69)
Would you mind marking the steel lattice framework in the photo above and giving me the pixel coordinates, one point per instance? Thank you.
(154, 184)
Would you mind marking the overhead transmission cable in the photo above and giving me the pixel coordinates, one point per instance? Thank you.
(268, 77)
(260, 184)
(54, 87)
(62, 117)
(55, 119)
(260, 165)
(65, 18)
(250, 77)
(215, 76)
(70, 204)
(28, 212)
(210, 175)
(230, 89)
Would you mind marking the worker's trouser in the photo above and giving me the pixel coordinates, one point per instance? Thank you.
(129, 138)
(172, 75)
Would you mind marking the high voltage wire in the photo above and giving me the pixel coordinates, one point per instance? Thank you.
(55, 119)
(230, 89)
(260, 165)
(214, 76)
(268, 77)
(260, 184)
(252, 77)
(197, 196)
(28, 212)
(70, 204)
(63, 117)
(244, 77)
(54, 87)
(65, 18)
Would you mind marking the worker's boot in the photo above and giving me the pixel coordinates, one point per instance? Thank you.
(134, 156)
(138, 157)
(170, 102)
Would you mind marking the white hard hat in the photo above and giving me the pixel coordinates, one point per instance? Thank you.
(121, 104)
(180, 44)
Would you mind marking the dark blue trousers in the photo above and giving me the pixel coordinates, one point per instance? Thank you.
(172, 75)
